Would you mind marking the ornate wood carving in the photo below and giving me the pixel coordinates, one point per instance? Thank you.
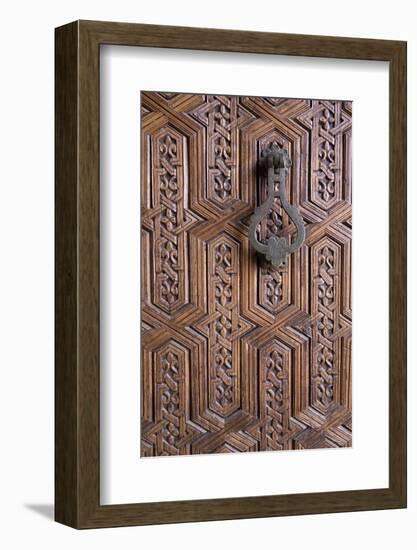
(274, 396)
(326, 273)
(238, 356)
(169, 246)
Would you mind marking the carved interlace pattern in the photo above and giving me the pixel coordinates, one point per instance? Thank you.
(223, 325)
(325, 371)
(167, 249)
(170, 369)
(169, 246)
(167, 219)
(275, 371)
(274, 291)
(222, 149)
(328, 123)
(224, 392)
(222, 116)
(170, 430)
(326, 154)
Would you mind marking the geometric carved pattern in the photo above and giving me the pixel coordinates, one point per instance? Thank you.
(325, 298)
(275, 366)
(327, 122)
(223, 360)
(222, 116)
(239, 356)
(169, 252)
(170, 398)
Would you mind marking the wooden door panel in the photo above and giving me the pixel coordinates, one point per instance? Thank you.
(237, 355)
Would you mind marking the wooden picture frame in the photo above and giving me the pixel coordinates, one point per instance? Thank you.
(77, 405)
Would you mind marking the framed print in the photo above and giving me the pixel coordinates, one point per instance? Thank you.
(230, 274)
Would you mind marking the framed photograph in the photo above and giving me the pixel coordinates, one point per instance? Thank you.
(230, 274)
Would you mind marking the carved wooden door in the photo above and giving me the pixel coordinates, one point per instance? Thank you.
(238, 355)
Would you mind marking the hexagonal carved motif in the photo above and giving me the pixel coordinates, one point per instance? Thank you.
(239, 356)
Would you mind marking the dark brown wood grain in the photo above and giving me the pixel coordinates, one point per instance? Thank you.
(77, 275)
(239, 356)
(66, 236)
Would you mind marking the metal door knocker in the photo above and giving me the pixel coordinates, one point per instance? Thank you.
(276, 249)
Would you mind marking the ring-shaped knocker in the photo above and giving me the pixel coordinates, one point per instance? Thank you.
(276, 249)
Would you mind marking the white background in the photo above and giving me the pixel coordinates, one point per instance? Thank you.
(126, 478)
(26, 217)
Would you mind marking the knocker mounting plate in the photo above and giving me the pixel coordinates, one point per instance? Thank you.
(276, 249)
